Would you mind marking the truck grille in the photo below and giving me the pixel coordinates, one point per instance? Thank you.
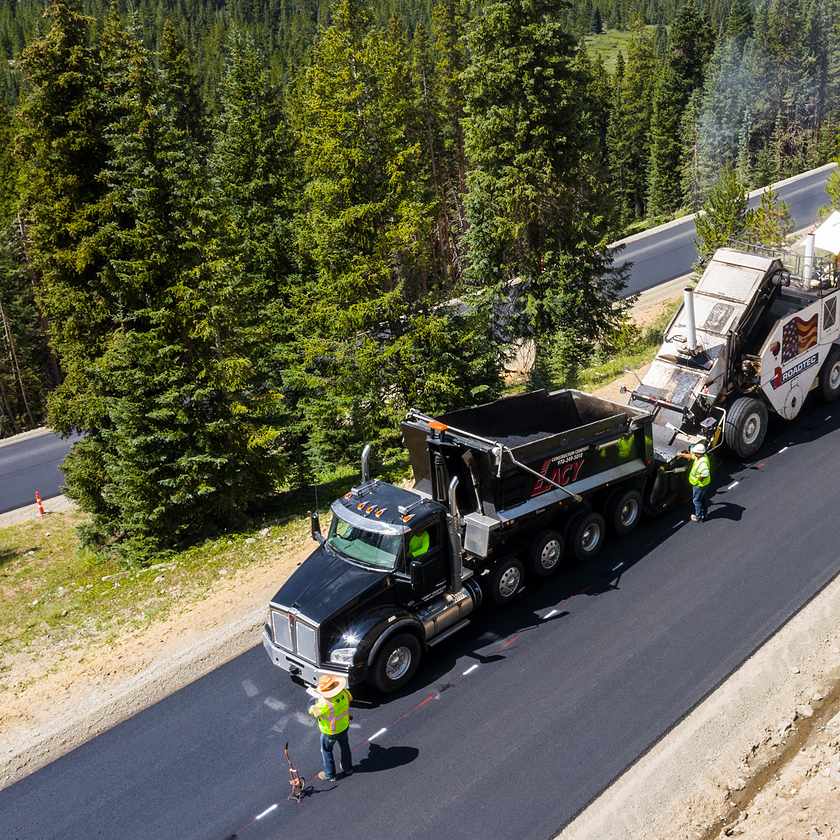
(295, 635)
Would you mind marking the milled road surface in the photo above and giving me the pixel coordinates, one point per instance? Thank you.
(514, 725)
(30, 465)
(670, 253)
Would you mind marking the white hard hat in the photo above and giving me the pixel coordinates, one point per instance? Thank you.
(699, 448)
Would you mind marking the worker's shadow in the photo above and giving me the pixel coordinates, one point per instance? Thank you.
(725, 510)
(385, 758)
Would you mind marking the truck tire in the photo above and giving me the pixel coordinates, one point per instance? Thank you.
(546, 554)
(396, 663)
(586, 534)
(623, 511)
(746, 426)
(830, 375)
(506, 580)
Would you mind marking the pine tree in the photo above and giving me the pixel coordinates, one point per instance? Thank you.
(61, 148)
(723, 215)
(597, 23)
(374, 303)
(769, 224)
(683, 73)
(537, 232)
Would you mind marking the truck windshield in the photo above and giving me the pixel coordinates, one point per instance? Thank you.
(371, 548)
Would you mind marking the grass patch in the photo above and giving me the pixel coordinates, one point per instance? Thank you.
(608, 44)
(54, 590)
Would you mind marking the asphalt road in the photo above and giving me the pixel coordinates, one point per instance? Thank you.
(670, 253)
(30, 465)
(514, 725)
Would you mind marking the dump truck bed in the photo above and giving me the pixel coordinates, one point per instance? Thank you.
(510, 455)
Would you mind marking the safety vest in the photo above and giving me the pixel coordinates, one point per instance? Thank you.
(334, 715)
(700, 474)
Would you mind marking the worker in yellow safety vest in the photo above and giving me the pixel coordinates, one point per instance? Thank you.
(699, 477)
(332, 711)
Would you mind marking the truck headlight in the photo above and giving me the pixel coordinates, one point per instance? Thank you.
(343, 656)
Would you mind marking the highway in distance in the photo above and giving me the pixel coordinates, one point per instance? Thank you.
(29, 465)
(512, 726)
(662, 255)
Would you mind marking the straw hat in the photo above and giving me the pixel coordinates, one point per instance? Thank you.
(699, 448)
(330, 684)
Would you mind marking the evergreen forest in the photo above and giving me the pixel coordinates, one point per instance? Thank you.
(240, 239)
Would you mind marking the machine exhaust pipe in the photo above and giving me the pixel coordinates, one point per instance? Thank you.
(690, 326)
(810, 249)
(366, 464)
(455, 564)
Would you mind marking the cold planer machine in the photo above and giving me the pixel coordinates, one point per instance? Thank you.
(756, 335)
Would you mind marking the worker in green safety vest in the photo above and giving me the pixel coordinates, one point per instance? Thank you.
(418, 545)
(699, 477)
(332, 712)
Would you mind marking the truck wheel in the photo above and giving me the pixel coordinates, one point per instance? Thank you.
(623, 511)
(830, 375)
(586, 535)
(506, 580)
(746, 426)
(396, 663)
(546, 553)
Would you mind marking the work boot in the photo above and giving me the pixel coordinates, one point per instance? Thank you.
(324, 777)
(694, 518)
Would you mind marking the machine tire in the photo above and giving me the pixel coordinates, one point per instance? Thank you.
(506, 580)
(586, 535)
(746, 426)
(396, 662)
(830, 375)
(545, 556)
(623, 510)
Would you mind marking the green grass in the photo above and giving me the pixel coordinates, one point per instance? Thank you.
(608, 45)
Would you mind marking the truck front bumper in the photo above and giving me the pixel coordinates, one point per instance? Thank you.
(297, 668)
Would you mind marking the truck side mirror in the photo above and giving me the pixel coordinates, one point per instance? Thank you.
(315, 524)
(420, 573)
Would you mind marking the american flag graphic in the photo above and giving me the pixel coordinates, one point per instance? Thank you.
(798, 336)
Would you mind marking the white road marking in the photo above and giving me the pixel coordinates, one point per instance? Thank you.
(829, 417)
(355, 725)
(280, 726)
(616, 568)
(377, 734)
(783, 449)
(274, 704)
(733, 485)
(470, 670)
(250, 688)
(266, 812)
(304, 719)
(548, 615)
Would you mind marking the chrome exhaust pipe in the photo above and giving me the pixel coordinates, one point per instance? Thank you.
(690, 326)
(455, 548)
(366, 464)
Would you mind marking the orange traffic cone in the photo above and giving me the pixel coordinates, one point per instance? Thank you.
(39, 503)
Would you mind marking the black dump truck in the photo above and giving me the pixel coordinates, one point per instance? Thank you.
(516, 487)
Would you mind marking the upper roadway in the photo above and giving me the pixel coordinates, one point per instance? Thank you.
(30, 464)
(669, 251)
(513, 725)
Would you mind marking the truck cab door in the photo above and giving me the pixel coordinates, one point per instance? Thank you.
(427, 561)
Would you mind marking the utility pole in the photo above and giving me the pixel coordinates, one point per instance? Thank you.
(10, 341)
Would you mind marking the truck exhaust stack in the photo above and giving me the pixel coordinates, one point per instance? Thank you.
(690, 326)
(808, 270)
(456, 565)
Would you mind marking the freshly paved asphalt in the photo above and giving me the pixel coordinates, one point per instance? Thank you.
(670, 253)
(30, 465)
(573, 683)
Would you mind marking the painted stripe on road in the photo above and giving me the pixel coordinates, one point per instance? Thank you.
(783, 449)
(733, 485)
(377, 734)
(548, 615)
(469, 670)
(266, 812)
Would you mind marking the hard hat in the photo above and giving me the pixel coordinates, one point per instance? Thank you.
(698, 448)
